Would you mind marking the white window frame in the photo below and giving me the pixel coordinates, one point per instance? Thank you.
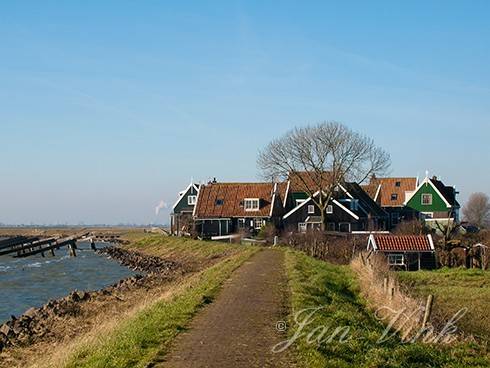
(429, 196)
(396, 259)
(258, 223)
(302, 227)
(329, 209)
(191, 200)
(251, 204)
(311, 209)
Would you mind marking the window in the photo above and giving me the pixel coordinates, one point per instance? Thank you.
(258, 223)
(398, 184)
(191, 200)
(302, 227)
(329, 209)
(241, 223)
(354, 205)
(251, 204)
(396, 259)
(394, 196)
(330, 226)
(426, 199)
(394, 218)
(219, 202)
(344, 227)
(311, 209)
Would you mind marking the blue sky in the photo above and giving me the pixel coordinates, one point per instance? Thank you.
(106, 108)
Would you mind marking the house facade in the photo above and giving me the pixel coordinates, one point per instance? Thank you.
(181, 221)
(434, 202)
(350, 209)
(228, 208)
(391, 194)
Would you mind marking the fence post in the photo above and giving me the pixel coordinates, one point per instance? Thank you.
(385, 284)
(428, 310)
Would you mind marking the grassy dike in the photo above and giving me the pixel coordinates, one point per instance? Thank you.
(149, 333)
(315, 283)
(454, 289)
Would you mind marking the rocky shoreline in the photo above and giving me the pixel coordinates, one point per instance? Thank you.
(34, 323)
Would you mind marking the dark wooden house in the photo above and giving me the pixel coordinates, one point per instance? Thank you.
(181, 221)
(227, 208)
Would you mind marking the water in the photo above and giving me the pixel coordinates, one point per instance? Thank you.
(32, 281)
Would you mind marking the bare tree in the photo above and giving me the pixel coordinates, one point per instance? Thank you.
(320, 158)
(477, 210)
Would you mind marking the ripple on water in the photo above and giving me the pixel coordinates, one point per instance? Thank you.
(32, 281)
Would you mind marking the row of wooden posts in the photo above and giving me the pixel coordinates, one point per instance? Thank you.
(390, 291)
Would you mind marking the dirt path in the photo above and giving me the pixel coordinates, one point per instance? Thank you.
(239, 328)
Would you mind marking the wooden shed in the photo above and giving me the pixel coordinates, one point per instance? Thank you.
(408, 252)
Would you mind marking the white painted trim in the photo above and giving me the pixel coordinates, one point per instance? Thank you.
(197, 201)
(431, 242)
(273, 200)
(372, 242)
(182, 195)
(298, 206)
(286, 195)
(251, 209)
(346, 191)
(346, 209)
(377, 192)
(425, 181)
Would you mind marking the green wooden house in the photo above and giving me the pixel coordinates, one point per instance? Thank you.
(434, 201)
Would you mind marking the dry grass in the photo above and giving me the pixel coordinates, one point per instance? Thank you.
(380, 287)
(105, 312)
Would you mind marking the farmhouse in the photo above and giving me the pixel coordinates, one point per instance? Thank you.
(350, 209)
(391, 194)
(228, 208)
(434, 201)
(181, 219)
(409, 252)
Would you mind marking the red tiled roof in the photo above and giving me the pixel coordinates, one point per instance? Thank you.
(304, 181)
(226, 199)
(388, 188)
(403, 243)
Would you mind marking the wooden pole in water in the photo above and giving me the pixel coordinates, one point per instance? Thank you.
(92, 244)
(72, 248)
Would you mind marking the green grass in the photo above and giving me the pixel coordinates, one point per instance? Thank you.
(454, 289)
(138, 340)
(316, 283)
(183, 248)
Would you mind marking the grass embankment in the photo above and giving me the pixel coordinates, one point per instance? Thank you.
(455, 289)
(139, 339)
(188, 251)
(316, 283)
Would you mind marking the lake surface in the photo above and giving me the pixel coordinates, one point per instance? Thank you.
(33, 281)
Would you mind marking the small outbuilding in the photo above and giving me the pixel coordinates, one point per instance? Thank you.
(408, 252)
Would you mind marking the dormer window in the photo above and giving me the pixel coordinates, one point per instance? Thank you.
(191, 200)
(394, 196)
(251, 204)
